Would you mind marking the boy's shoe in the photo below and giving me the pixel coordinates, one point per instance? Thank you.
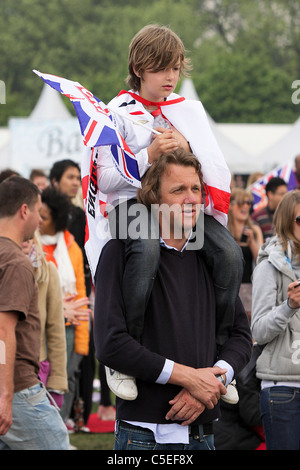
(123, 386)
(232, 396)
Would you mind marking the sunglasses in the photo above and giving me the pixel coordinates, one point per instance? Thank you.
(297, 220)
(249, 203)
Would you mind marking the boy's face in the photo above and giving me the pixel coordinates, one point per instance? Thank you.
(156, 86)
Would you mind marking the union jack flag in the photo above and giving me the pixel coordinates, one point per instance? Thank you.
(97, 127)
(258, 188)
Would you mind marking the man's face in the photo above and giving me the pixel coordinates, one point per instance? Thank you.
(69, 182)
(33, 219)
(181, 188)
(275, 198)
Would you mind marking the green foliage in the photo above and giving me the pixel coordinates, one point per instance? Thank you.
(245, 54)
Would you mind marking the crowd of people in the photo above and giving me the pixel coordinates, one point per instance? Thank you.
(195, 328)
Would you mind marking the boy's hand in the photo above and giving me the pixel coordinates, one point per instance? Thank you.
(163, 143)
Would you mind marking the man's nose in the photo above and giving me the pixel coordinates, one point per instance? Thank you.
(190, 197)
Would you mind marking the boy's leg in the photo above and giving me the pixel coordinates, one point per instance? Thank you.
(136, 228)
(131, 223)
(224, 257)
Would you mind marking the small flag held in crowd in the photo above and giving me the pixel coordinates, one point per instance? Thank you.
(97, 127)
(258, 188)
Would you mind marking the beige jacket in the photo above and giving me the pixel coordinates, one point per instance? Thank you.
(53, 337)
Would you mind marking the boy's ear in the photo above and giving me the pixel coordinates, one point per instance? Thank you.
(136, 73)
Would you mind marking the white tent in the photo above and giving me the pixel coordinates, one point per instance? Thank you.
(252, 147)
(237, 158)
(4, 148)
(50, 106)
(49, 134)
(284, 150)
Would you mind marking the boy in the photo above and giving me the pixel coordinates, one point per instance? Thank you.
(156, 61)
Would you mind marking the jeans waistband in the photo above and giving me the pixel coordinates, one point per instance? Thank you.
(200, 430)
(195, 430)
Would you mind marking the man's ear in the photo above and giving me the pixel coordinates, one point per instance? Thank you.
(24, 210)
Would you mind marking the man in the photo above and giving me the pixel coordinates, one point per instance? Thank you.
(175, 363)
(28, 421)
(65, 176)
(276, 188)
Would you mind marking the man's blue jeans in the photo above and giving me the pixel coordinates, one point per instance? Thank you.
(37, 425)
(280, 411)
(143, 439)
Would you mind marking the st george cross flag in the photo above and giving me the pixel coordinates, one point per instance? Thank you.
(258, 188)
(96, 124)
(97, 232)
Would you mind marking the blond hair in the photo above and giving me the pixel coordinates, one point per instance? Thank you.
(155, 48)
(238, 196)
(284, 219)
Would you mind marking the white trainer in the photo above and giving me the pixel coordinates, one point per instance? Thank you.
(122, 385)
(232, 396)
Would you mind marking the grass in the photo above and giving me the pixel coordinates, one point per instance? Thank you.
(86, 441)
(92, 441)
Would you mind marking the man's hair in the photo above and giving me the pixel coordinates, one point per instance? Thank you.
(151, 182)
(7, 173)
(274, 183)
(59, 168)
(155, 48)
(59, 207)
(284, 219)
(14, 192)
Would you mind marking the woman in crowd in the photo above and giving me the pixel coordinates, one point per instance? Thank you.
(276, 326)
(248, 236)
(60, 247)
(53, 370)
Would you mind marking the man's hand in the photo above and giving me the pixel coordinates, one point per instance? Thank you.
(201, 383)
(8, 322)
(5, 415)
(184, 408)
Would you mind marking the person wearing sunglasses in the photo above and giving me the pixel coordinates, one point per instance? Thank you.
(276, 326)
(248, 235)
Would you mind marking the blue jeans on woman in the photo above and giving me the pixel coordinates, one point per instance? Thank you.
(143, 439)
(37, 424)
(280, 412)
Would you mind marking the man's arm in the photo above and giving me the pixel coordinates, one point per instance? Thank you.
(202, 384)
(8, 322)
